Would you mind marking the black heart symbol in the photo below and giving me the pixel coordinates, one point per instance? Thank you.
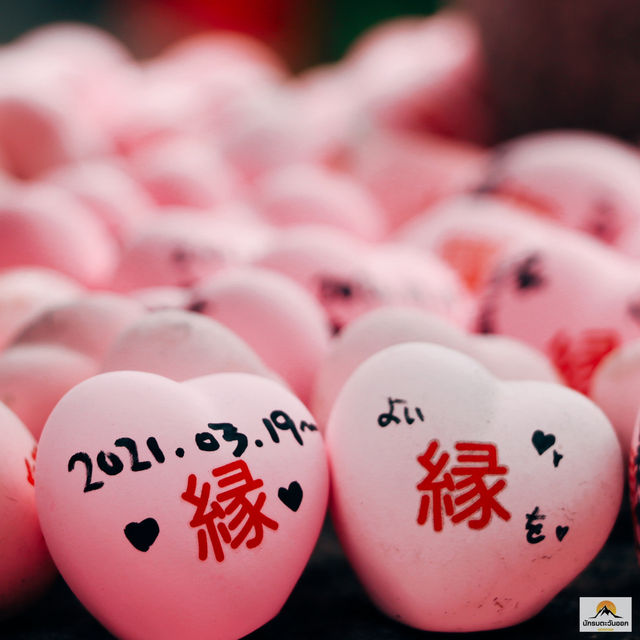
(142, 534)
(291, 496)
(561, 532)
(556, 458)
(542, 442)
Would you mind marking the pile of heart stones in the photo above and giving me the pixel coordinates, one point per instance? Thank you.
(228, 292)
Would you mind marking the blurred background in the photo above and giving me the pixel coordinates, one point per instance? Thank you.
(550, 64)
(304, 33)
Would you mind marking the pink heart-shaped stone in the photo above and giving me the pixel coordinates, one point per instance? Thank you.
(59, 348)
(350, 277)
(193, 56)
(77, 42)
(181, 345)
(506, 358)
(471, 233)
(105, 187)
(408, 172)
(583, 180)
(25, 292)
(185, 245)
(422, 280)
(180, 171)
(42, 226)
(172, 251)
(465, 503)
(567, 295)
(88, 325)
(277, 318)
(327, 110)
(152, 492)
(332, 265)
(423, 74)
(33, 377)
(36, 132)
(614, 389)
(25, 566)
(310, 194)
(259, 132)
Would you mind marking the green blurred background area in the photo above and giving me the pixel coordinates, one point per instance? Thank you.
(350, 19)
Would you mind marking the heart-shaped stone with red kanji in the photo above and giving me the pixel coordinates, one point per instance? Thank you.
(175, 508)
(569, 296)
(463, 502)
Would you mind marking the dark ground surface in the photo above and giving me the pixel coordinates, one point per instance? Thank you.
(328, 602)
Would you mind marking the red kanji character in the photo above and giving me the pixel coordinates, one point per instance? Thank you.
(248, 515)
(436, 487)
(245, 515)
(477, 460)
(482, 460)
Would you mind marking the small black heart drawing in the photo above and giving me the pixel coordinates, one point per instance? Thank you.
(291, 496)
(561, 532)
(542, 442)
(556, 458)
(142, 534)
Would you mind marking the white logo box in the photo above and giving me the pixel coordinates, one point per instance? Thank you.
(606, 613)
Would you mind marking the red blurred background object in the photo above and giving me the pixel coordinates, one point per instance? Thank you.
(291, 28)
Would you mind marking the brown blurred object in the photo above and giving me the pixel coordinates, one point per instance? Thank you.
(562, 63)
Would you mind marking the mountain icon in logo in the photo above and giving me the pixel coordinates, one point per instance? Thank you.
(606, 608)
